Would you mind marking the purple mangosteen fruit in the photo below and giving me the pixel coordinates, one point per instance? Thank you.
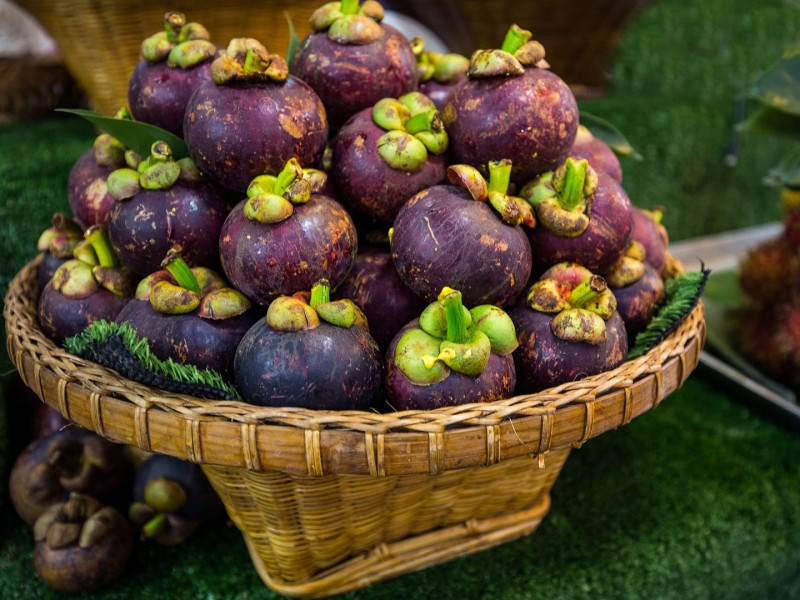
(651, 233)
(57, 243)
(568, 329)
(192, 316)
(510, 108)
(161, 204)
(285, 236)
(385, 154)
(466, 235)
(173, 64)
(81, 545)
(451, 355)
(638, 288)
(376, 288)
(172, 497)
(352, 60)
(599, 154)
(582, 215)
(438, 73)
(92, 286)
(252, 117)
(310, 352)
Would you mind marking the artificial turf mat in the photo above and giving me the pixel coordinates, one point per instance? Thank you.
(696, 499)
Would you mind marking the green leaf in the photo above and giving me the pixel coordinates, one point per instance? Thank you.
(787, 173)
(136, 135)
(767, 120)
(608, 133)
(294, 41)
(779, 87)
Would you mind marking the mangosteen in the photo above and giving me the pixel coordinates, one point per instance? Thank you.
(638, 288)
(173, 63)
(466, 235)
(57, 243)
(252, 117)
(510, 107)
(161, 204)
(309, 352)
(71, 459)
(385, 154)
(438, 73)
(568, 329)
(285, 236)
(451, 355)
(90, 287)
(649, 231)
(582, 215)
(81, 545)
(172, 497)
(192, 316)
(599, 155)
(352, 59)
(376, 288)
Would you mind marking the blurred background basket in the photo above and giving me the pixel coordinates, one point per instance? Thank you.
(100, 39)
(329, 502)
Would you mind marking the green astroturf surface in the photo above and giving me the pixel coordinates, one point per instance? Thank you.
(699, 498)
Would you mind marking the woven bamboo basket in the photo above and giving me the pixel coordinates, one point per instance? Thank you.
(329, 502)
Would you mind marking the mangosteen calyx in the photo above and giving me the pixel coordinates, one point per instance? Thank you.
(435, 66)
(413, 127)
(512, 209)
(348, 23)
(271, 198)
(95, 266)
(61, 238)
(303, 311)
(80, 521)
(246, 60)
(451, 337)
(159, 171)
(181, 44)
(517, 52)
(157, 515)
(579, 300)
(629, 268)
(562, 198)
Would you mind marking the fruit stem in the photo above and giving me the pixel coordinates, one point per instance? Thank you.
(173, 22)
(572, 194)
(425, 121)
(499, 175)
(288, 175)
(456, 323)
(178, 268)
(97, 236)
(349, 7)
(320, 293)
(586, 291)
(515, 38)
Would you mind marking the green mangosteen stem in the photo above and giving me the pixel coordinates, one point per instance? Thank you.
(180, 271)
(499, 175)
(288, 175)
(515, 38)
(320, 293)
(587, 291)
(424, 121)
(154, 526)
(97, 236)
(572, 193)
(456, 324)
(173, 23)
(349, 7)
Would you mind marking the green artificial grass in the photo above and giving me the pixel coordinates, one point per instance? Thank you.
(696, 499)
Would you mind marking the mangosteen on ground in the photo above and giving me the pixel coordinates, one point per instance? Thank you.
(599, 155)
(352, 60)
(510, 107)
(582, 215)
(466, 235)
(57, 243)
(192, 316)
(438, 73)
(285, 236)
(451, 355)
(90, 287)
(161, 204)
(568, 329)
(173, 63)
(252, 117)
(81, 545)
(172, 497)
(309, 352)
(385, 154)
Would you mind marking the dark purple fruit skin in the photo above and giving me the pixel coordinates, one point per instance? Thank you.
(374, 285)
(237, 132)
(143, 228)
(531, 120)
(318, 241)
(543, 360)
(442, 237)
(158, 93)
(188, 339)
(325, 368)
(652, 236)
(638, 302)
(203, 504)
(365, 182)
(61, 317)
(599, 156)
(496, 382)
(351, 77)
(608, 235)
(87, 193)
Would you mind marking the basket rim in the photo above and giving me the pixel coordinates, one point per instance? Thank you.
(313, 442)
